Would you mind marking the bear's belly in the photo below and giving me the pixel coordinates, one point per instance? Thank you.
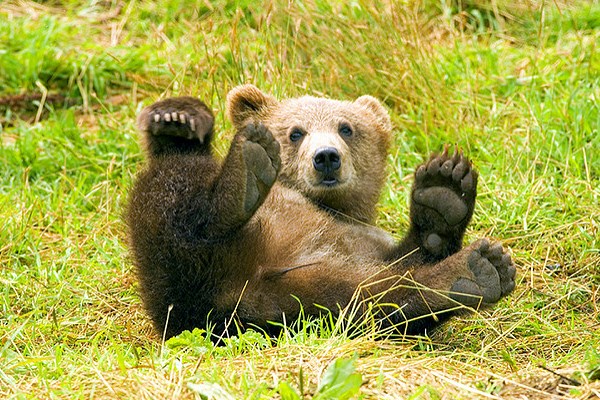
(289, 231)
(292, 249)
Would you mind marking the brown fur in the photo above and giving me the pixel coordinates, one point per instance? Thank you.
(274, 225)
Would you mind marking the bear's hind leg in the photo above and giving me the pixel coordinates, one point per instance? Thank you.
(476, 276)
(411, 299)
(176, 125)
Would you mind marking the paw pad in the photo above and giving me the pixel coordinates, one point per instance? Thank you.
(261, 155)
(447, 186)
(493, 275)
(443, 200)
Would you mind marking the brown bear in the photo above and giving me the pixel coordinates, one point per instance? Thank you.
(285, 222)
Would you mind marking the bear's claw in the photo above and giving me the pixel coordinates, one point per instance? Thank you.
(185, 117)
(186, 128)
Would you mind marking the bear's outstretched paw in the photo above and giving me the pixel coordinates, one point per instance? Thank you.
(443, 200)
(184, 117)
(493, 275)
(261, 156)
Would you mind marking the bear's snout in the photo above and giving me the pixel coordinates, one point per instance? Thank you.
(327, 160)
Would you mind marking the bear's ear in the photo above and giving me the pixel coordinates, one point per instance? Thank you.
(378, 110)
(246, 103)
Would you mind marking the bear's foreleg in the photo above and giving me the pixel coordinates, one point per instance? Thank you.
(247, 175)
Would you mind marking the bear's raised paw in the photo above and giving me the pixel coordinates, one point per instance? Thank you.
(180, 117)
(261, 156)
(443, 200)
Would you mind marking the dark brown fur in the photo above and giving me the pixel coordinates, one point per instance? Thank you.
(272, 226)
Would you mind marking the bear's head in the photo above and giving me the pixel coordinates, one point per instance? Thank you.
(334, 152)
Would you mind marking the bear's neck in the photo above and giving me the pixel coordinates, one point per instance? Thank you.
(354, 210)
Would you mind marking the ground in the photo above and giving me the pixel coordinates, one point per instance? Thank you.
(516, 86)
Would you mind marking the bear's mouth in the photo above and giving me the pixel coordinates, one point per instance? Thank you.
(329, 181)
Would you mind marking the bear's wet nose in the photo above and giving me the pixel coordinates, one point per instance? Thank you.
(327, 160)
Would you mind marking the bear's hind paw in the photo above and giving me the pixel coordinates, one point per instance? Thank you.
(447, 185)
(493, 275)
(443, 199)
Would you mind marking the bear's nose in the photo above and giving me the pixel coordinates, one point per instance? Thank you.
(327, 160)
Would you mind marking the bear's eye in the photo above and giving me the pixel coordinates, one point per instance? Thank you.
(345, 130)
(296, 134)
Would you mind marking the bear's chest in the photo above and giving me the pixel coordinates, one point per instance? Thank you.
(288, 230)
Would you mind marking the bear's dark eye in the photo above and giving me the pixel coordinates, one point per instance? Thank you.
(345, 130)
(296, 134)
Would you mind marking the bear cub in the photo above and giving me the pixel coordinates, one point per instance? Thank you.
(285, 222)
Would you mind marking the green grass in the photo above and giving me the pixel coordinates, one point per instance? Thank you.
(516, 86)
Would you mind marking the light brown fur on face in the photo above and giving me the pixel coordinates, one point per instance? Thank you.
(284, 222)
(363, 154)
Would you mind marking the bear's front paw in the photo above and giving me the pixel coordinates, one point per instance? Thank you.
(443, 199)
(493, 275)
(184, 117)
(261, 156)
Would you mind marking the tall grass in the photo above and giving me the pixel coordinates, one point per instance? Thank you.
(515, 84)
